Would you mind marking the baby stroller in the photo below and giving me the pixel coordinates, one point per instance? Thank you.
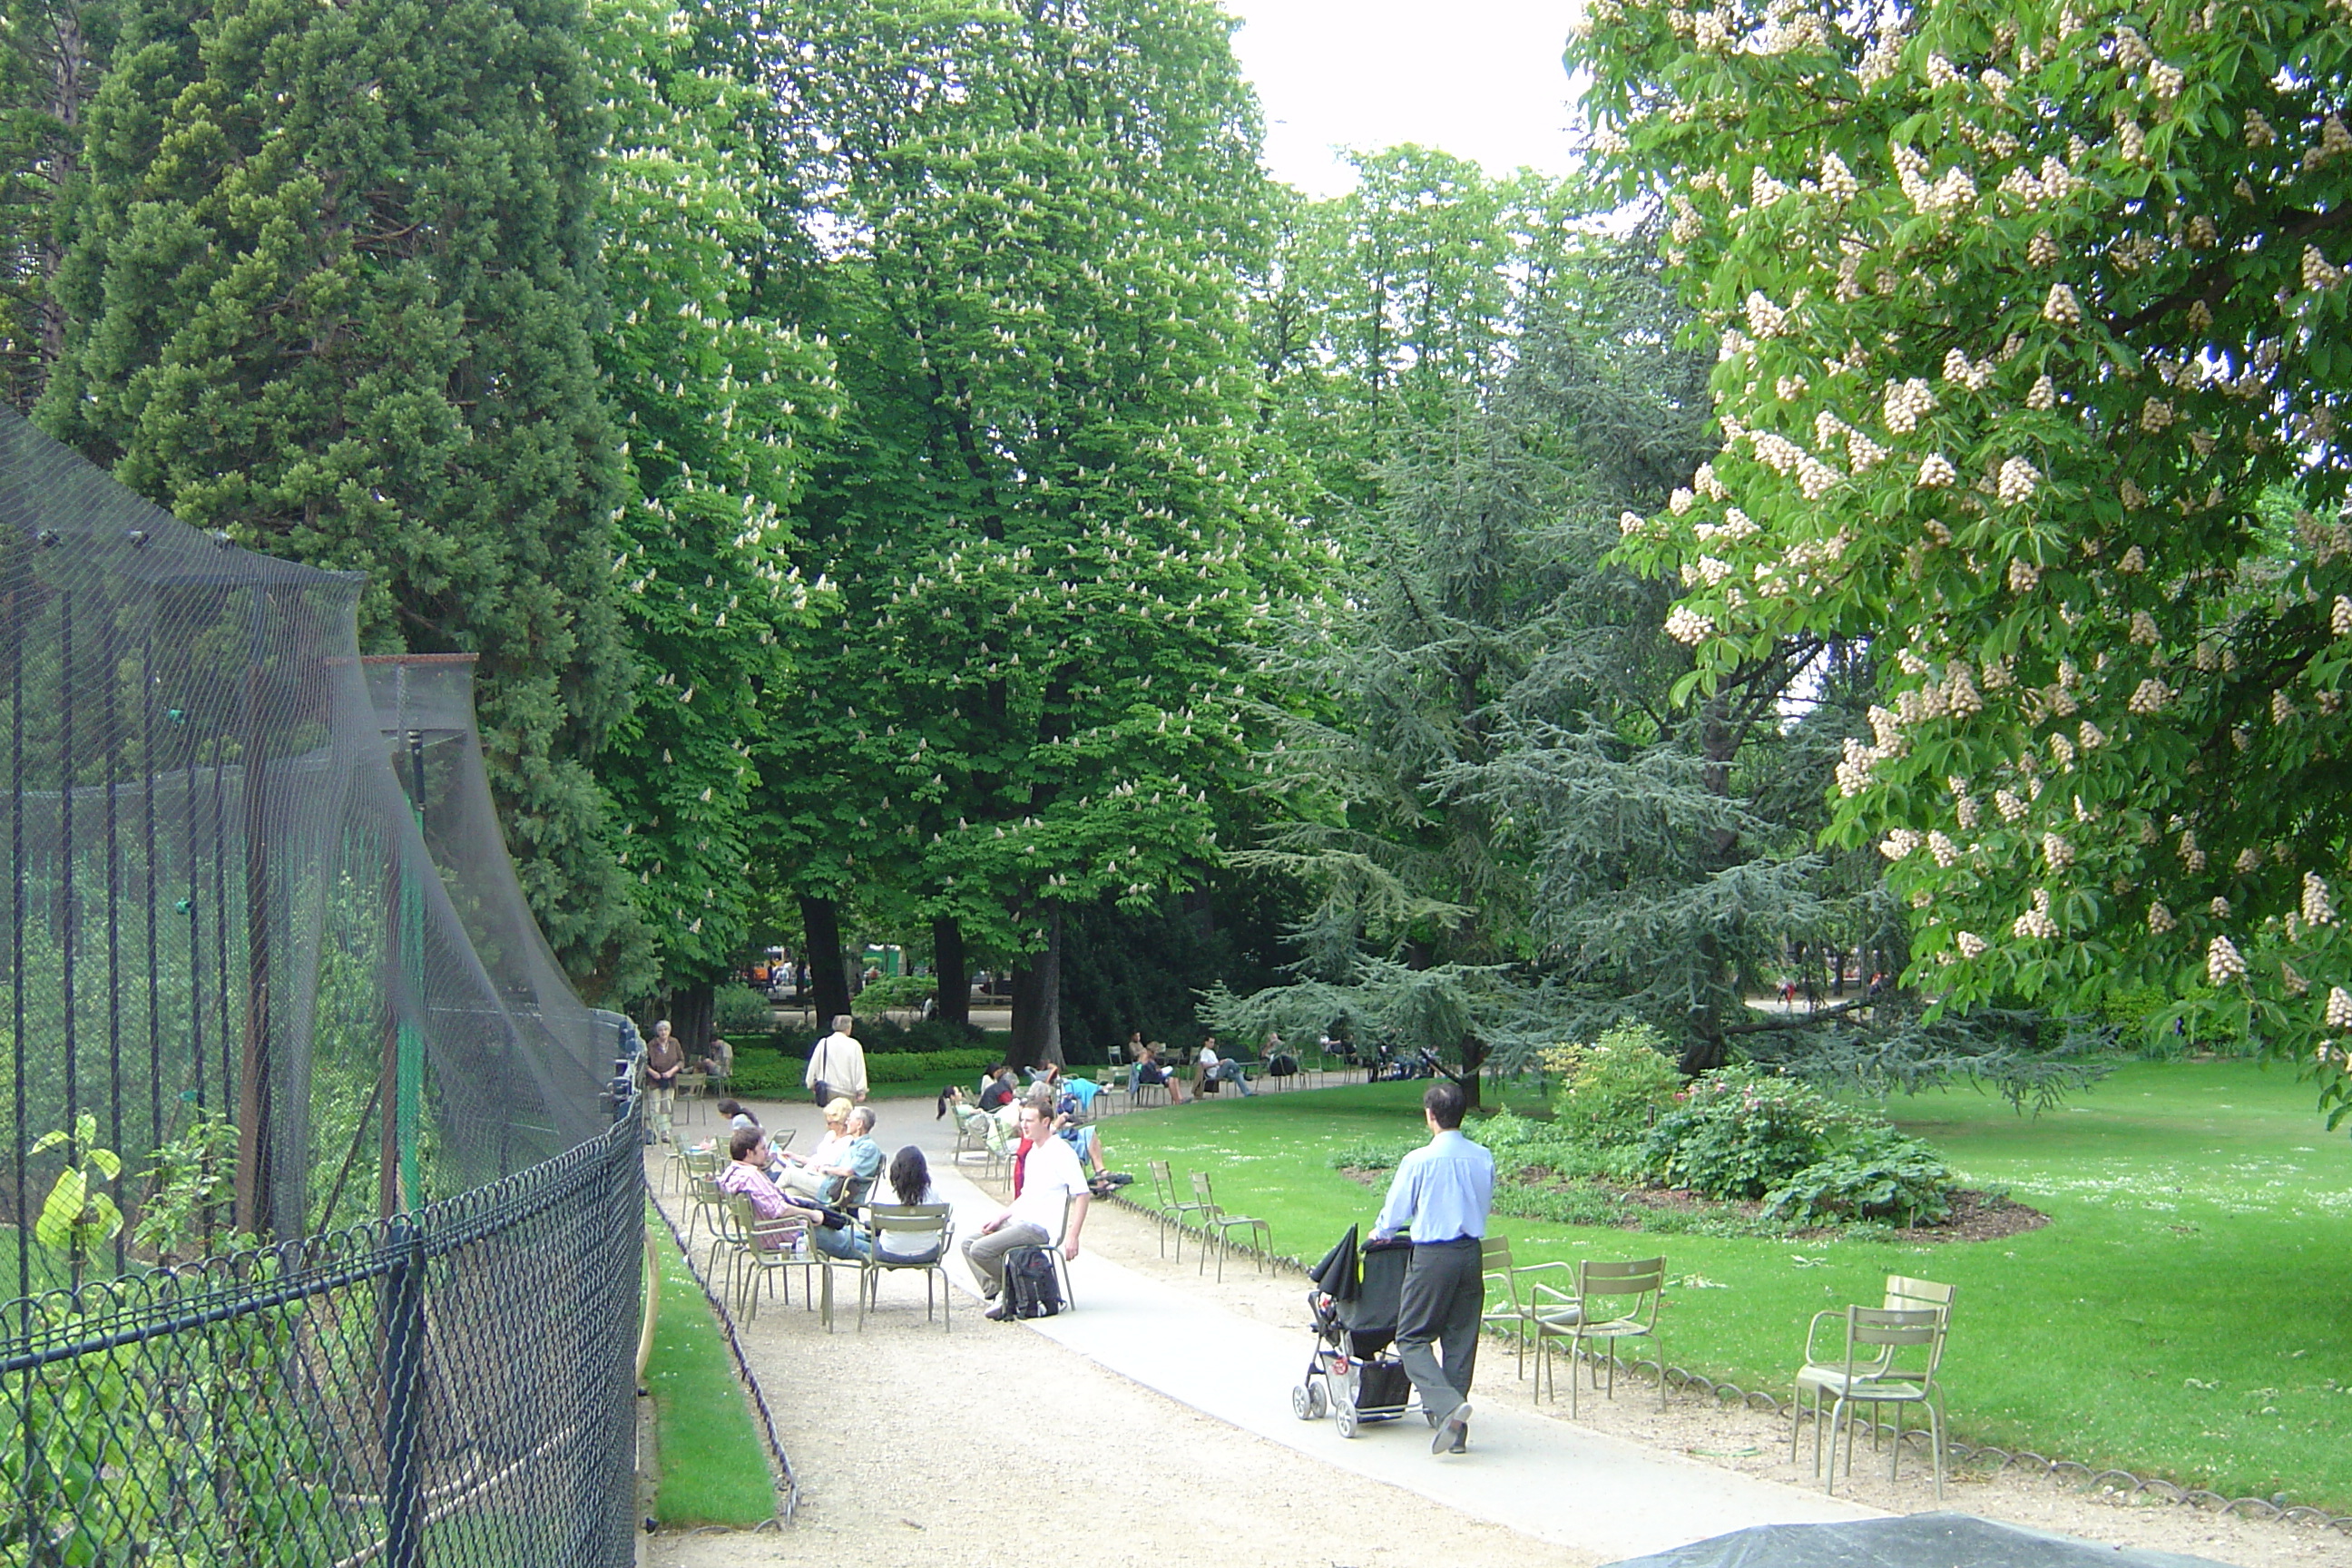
(1352, 1374)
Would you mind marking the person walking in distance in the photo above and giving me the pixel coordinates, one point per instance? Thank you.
(1440, 1197)
(838, 1065)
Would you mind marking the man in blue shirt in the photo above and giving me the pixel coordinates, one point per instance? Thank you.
(1440, 1196)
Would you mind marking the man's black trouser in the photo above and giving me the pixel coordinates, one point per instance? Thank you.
(1444, 1295)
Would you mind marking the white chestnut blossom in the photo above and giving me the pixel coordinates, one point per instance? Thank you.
(1765, 318)
(2143, 629)
(1838, 183)
(2149, 697)
(1936, 471)
(2006, 803)
(2034, 924)
(1898, 843)
(2023, 577)
(1905, 403)
(2017, 482)
(2091, 735)
(1940, 846)
(2041, 251)
(2043, 397)
(2319, 273)
(2339, 1007)
(2061, 308)
(2134, 562)
(2318, 908)
(1681, 502)
(2222, 963)
(2057, 851)
(1970, 943)
(1687, 627)
(2159, 918)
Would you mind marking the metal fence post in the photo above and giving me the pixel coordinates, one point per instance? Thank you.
(403, 1368)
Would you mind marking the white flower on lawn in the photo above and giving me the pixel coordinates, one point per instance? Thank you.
(2318, 908)
(2222, 963)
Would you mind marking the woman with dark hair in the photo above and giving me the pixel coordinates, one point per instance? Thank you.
(911, 1180)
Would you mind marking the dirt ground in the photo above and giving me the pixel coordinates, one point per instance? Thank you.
(907, 1461)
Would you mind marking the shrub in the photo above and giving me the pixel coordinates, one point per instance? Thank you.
(766, 1077)
(1738, 1134)
(738, 1009)
(1371, 1155)
(1614, 1088)
(897, 990)
(924, 1035)
(1883, 1175)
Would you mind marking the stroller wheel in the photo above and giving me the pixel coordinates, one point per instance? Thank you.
(1318, 1403)
(1346, 1419)
(1302, 1401)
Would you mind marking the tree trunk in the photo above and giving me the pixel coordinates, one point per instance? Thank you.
(1474, 1058)
(828, 978)
(954, 971)
(690, 1009)
(1037, 1003)
(1702, 1052)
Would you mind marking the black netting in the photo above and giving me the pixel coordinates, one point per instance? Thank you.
(260, 917)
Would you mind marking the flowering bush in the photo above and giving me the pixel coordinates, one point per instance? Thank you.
(1613, 1089)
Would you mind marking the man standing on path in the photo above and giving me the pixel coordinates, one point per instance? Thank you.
(838, 1065)
(1045, 1174)
(1441, 1195)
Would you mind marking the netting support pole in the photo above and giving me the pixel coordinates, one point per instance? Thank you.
(404, 1413)
(110, 713)
(412, 942)
(16, 939)
(255, 1161)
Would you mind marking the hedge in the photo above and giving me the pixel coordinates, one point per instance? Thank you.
(766, 1077)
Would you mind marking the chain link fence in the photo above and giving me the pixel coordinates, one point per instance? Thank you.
(452, 1385)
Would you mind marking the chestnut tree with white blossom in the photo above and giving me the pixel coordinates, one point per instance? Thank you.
(2023, 311)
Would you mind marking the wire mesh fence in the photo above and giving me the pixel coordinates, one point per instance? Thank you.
(319, 1224)
(451, 1385)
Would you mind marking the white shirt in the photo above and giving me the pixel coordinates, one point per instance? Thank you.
(1208, 1059)
(1049, 1173)
(838, 1063)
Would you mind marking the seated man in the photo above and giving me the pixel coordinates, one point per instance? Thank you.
(857, 1161)
(999, 1088)
(1046, 1176)
(1213, 1070)
(746, 1175)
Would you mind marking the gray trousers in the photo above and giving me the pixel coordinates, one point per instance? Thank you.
(986, 1252)
(1444, 1296)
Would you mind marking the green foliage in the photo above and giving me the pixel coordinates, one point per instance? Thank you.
(1370, 1153)
(897, 990)
(1611, 1091)
(188, 1180)
(329, 286)
(738, 1009)
(1739, 1135)
(721, 406)
(2024, 321)
(768, 1077)
(76, 1218)
(1881, 1174)
(1050, 510)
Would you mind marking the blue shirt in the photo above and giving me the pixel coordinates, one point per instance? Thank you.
(1442, 1191)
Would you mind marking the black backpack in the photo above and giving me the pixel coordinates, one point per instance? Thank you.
(1031, 1285)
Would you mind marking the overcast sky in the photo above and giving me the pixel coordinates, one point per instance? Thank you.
(1481, 78)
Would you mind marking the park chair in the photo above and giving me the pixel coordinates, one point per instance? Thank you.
(1614, 1300)
(690, 1088)
(1174, 1208)
(1890, 1357)
(1137, 1088)
(1501, 1313)
(1055, 1250)
(920, 1224)
(701, 1174)
(729, 1234)
(772, 1247)
(1903, 1294)
(1213, 1214)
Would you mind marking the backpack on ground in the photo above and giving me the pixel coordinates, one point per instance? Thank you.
(1031, 1285)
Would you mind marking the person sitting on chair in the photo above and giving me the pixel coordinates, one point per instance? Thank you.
(745, 1174)
(1210, 1069)
(1000, 1088)
(737, 1117)
(1149, 1070)
(856, 1161)
(911, 1180)
(1044, 1177)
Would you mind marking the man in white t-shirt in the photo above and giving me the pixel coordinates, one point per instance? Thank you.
(1046, 1176)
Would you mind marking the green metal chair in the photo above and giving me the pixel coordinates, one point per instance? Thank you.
(1614, 1300)
(1213, 1215)
(922, 1224)
(769, 1248)
(1172, 1208)
(1874, 1370)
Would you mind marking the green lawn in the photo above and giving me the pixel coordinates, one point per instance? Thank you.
(714, 1469)
(2181, 1315)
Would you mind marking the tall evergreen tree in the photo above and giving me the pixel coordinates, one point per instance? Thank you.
(720, 405)
(53, 54)
(329, 288)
